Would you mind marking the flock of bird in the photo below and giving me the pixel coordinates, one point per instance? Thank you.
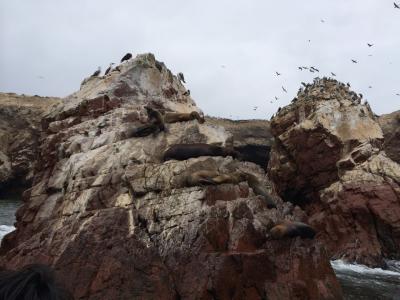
(313, 69)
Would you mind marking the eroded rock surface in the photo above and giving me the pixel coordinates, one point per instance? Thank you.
(390, 125)
(118, 223)
(329, 159)
(252, 138)
(20, 128)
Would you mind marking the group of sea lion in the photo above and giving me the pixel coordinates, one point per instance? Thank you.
(284, 229)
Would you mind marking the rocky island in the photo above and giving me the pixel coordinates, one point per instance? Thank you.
(117, 220)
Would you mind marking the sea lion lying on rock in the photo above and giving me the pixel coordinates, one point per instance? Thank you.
(292, 229)
(142, 131)
(155, 117)
(173, 117)
(186, 151)
(203, 177)
(259, 189)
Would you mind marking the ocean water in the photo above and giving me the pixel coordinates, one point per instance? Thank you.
(8, 206)
(362, 283)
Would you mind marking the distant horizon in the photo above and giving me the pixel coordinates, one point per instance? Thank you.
(236, 57)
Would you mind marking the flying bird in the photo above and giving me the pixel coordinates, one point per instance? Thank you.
(284, 89)
(181, 77)
(396, 5)
(127, 56)
(312, 71)
(370, 87)
(370, 45)
(255, 107)
(354, 61)
(369, 54)
(397, 94)
(97, 72)
(322, 21)
(40, 77)
(315, 69)
(300, 68)
(109, 69)
(276, 98)
(223, 66)
(278, 74)
(333, 74)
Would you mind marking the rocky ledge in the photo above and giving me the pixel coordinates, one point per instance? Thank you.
(116, 221)
(329, 158)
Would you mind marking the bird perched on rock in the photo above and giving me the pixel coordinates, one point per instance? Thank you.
(127, 56)
(354, 61)
(181, 77)
(305, 85)
(187, 93)
(396, 5)
(300, 68)
(109, 69)
(333, 74)
(348, 84)
(97, 72)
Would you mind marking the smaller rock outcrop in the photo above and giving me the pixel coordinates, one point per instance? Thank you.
(329, 159)
(20, 127)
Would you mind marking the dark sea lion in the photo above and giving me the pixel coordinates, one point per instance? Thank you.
(142, 131)
(259, 189)
(201, 177)
(292, 229)
(155, 117)
(183, 117)
(186, 151)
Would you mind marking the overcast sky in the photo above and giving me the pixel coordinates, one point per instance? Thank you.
(229, 51)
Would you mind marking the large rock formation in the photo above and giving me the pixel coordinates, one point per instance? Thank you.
(117, 222)
(390, 125)
(329, 159)
(20, 118)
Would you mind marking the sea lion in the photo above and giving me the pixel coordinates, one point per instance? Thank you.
(155, 117)
(259, 189)
(235, 178)
(183, 117)
(142, 131)
(201, 177)
(292, 229)
(186, 151)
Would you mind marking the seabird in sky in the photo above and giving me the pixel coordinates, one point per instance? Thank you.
(354, 61)
(284, 89)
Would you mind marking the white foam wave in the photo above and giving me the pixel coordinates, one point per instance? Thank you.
(340, 265)
(4, 229)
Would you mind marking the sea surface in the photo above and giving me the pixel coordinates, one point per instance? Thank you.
(358, 282)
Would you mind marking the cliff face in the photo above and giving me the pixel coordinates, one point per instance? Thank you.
(390, 125)
(20, 128)
(329, 158)
(117, 222)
